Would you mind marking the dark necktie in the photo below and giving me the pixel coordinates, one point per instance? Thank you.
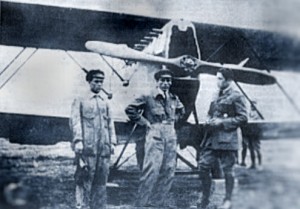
(165, 96)
(166, 104)
(221, 93)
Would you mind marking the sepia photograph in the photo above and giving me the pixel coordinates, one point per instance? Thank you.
(149, 104)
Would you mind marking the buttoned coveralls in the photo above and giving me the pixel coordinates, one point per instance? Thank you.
(160, 147)
(92, 124)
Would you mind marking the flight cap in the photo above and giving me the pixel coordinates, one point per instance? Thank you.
(94, 74)
(163, 73)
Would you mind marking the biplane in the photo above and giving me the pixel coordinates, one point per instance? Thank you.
(129, 48)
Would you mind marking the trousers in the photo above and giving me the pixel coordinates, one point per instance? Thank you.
(159, 165)
(207, 161)
(91, 185)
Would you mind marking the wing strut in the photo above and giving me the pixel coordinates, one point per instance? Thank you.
(195, 114)
(109, 95)
(12, 61)
(278, 84)
(115, 165)
(254, 52)
(218, 49)
(186, 161)
(288, 97)
(247, 97)
(17, 70)
(125, 82)
(77, 63)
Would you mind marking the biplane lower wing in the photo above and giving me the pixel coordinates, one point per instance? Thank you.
(28, 129)
(47, 130)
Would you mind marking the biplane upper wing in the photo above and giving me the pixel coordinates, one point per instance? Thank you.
(41, 26)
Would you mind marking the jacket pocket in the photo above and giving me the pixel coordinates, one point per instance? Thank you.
(226, 109)
(157, 138)
(159, 113)
(88, 113)
(105, 150)
(153, 132)
(88, 116)
(105, 121)
(224, 137)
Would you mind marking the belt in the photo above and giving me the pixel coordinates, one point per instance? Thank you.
(167, 122)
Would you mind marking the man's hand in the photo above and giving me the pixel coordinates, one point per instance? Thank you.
(148, 125)
(215, 122)
(112, 149)
(78, 147)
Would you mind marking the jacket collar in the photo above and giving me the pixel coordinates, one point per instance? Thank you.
(157, 92)
(227, 90)
(92, 95)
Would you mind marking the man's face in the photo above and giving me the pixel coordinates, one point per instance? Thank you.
(96, 84)
(164, 82)
(221, 81)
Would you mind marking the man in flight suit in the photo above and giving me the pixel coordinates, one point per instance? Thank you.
(161, 109)
(226, 114)
(93, 136)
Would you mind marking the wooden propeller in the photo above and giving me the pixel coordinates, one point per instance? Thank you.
(187, 63)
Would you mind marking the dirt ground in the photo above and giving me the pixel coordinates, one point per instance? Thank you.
(46, 173)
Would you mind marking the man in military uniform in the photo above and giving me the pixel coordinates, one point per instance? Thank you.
(161, 109)
(226, 113)
(251, 139)
(93, 136)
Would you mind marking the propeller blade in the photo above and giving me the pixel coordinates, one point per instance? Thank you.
(122, 51)
(241, 74)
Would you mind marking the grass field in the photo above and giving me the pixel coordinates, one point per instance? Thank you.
(47, 175)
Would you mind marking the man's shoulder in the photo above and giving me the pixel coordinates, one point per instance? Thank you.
(80, 98)
(174, 96)
(151, 93)
(236, 94)
(235, 97)
(82, 95)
